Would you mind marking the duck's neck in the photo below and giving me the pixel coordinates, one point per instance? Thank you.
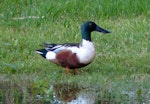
(86, 35)
(88, 45)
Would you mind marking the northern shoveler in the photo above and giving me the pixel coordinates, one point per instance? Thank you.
(73, 55)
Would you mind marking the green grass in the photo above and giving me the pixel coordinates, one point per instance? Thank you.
(122, 63)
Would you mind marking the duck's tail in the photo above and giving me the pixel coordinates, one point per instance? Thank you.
(42, 52)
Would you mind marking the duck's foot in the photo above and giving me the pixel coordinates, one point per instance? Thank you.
(75, 71)
(67, 70)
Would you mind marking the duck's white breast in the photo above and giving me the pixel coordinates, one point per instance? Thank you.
(85, 53)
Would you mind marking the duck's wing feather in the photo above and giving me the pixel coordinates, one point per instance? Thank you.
(59, 47)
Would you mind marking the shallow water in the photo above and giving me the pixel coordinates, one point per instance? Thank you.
(88, 96)
(72, 93)
(82, 98)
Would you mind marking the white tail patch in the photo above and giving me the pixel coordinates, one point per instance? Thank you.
(50, 55)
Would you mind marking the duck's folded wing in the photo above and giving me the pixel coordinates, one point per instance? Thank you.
(59, 47)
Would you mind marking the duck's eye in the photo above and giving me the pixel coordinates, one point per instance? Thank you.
(90, 24)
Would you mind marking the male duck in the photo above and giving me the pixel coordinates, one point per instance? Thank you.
(73, 55)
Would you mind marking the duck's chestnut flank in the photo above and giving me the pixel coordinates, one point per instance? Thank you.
(68, 59)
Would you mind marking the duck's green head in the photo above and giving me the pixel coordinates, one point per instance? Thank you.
(88, 27)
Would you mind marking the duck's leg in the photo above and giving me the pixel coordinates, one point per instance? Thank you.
(75, 71)
(67, 70)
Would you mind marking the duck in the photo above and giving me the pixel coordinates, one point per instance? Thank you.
(73, 55)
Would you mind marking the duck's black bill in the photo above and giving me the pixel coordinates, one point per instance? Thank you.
(99, 29)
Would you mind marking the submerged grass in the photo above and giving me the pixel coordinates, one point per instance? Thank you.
(120, 72)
